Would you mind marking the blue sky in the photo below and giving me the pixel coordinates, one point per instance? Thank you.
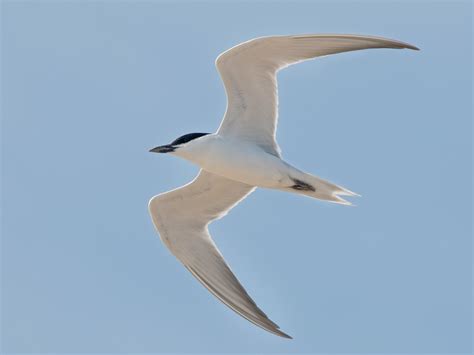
(89, 87)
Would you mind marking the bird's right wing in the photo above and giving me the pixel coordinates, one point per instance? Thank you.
(181, 217)
(249, 69)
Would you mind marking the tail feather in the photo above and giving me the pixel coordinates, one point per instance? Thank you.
(334, 199)
(322, 189)
(345, 192)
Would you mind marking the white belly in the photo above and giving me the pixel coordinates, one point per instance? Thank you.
(239, 161)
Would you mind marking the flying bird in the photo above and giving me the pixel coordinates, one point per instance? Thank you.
(243, 154)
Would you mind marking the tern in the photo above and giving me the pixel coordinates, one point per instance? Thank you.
(242, 155)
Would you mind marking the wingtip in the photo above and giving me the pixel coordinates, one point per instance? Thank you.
(410, 46)
(404, 45)
(284, 335)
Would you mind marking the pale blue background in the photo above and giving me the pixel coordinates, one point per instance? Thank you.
(88, 88)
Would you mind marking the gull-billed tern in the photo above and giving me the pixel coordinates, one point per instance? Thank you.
(242, 155)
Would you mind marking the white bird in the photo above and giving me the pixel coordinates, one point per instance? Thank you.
(242, 155)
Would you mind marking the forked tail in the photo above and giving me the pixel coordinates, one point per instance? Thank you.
(313, 186)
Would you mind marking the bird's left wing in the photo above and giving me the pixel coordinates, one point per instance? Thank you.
(181, 217)
(249, 70)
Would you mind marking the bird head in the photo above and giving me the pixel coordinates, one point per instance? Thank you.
(177, 143)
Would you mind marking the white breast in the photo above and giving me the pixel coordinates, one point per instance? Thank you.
(237, 160)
